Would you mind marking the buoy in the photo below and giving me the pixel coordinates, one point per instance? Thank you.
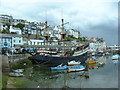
(69, 71)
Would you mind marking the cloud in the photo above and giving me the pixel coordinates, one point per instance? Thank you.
(88, 16)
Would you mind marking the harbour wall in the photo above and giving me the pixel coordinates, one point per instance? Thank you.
(8, 61)
(5, 64)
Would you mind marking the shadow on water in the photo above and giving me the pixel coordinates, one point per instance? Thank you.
(97, 76)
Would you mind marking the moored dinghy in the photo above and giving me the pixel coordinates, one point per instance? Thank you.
(18, 70)
(116, 56)
(74, 63)
(76, 68)
(59, 67)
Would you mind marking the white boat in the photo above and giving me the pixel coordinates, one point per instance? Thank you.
(18, 70)
(93, 54)
(74, 63)
(101, 63)
(114, 57)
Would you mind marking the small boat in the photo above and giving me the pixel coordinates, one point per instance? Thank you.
(18, 70)
(76, 68)
(107, 54)
(16, 74)
(101, 63)
(74, 63)
(116, 56)
(93, 54)
(91, 61)
(59, 67)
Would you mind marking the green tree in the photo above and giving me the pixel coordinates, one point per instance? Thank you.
(5, 32)
(19, 25)
(68, 38)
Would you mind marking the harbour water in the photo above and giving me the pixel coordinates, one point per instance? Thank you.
(105, 76)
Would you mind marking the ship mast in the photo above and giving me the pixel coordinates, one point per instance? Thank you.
(63, 32)
(46, 35)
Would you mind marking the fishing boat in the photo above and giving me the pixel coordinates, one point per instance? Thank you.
(76, 68)
(50, 59)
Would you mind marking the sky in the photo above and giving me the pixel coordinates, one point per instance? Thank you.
(93, 18)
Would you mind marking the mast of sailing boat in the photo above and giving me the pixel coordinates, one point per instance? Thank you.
(63, 33)
(46, 35)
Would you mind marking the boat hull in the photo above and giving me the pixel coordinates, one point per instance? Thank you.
(55, 61)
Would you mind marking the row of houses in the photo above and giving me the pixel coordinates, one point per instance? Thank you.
(18, 41)
(34, 28)
(31, 32)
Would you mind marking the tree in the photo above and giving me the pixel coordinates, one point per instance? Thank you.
(19, 25)
(82, 39)
(68, 39)
(5, 31)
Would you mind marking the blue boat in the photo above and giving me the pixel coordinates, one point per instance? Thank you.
(18, 70)
(59, 67)
(76, 68)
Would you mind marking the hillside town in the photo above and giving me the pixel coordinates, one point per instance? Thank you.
(19, 34)
(59, 44)
(26, 44)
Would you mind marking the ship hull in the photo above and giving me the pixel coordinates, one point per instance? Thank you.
(55, 61)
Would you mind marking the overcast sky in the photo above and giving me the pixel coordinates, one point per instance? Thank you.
(93, 18)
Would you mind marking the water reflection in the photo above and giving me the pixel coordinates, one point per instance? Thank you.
(44, 77)
(115, 61)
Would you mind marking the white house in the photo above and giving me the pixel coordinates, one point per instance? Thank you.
(17, 41)
(36, 42)
(57, 32)
(74, 33)
(97, 46)
(17, 30)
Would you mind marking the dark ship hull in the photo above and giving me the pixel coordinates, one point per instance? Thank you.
(55, 61)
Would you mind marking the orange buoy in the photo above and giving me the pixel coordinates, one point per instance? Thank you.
(69, 71)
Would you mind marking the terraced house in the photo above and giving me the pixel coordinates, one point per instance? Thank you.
(11, 40)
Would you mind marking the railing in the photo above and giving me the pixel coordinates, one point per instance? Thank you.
(81, 52)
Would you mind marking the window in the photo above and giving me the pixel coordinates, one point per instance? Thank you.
(19, 41)
(38, 43)
(9, 40)
(14, 41)
(30, 43)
